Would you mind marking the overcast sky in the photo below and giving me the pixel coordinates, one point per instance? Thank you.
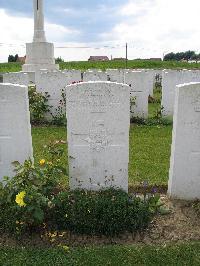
(150, 27)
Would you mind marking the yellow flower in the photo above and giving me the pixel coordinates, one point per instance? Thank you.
(20, 199)
(21, 223)
(42, 162)
(66, 248)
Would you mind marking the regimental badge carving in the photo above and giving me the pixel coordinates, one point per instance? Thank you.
(99, 137)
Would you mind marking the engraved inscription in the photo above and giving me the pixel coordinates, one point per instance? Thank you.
(94, 98)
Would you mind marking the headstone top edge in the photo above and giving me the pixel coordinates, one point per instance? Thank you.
(97, 82)
(188, 84)
(12, 85)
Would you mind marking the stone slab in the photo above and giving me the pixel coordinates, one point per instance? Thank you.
(184, 175)
(15, 129)
(98, 118)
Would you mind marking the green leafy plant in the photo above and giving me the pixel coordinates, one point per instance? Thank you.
(59, 118)
(26, 198)
(38, 105)
(108, 212)
(158, 112)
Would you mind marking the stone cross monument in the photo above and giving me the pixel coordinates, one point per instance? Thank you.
(39, 53)
(39, 33)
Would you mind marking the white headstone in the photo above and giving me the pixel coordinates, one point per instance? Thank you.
(184, 177)
(52, 82)
(72, 75)
(151, 80)
(98, 135)
(171, 78)
(138, 82)
(19, 78)
(94, 76)
(115, 75)
(15, 129)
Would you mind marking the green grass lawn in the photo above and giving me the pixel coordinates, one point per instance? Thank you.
(149, 151)
(132, 64)
(183, 254)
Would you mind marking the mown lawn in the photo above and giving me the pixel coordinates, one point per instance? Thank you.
(183, 254)
(149, 151)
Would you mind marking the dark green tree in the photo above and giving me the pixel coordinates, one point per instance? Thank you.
(188, 55)
(13, 58)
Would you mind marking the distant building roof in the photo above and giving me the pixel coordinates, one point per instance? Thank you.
(152, 59)
(98, 58)
(21, 59)
(119, 59)
(156, 59)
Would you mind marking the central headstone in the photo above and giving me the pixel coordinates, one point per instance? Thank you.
(98, 119)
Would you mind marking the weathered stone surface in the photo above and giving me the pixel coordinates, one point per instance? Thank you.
(39, 53)
(20, 78)
(39, 56)
(15, 129)
(171, 78)
(138, 82)
(184, 177)
(98, 135)
(72, 75)
(94, 76)
(115, 75)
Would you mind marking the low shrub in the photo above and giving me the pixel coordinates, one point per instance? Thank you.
(163, 121)
(108, 212)
(59, 118)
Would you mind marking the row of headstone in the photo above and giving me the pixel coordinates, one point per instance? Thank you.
(53, 82)
(171, 78)
(98, 140)
(20, 78)
(140, 81)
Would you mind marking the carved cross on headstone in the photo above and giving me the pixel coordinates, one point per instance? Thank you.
(37, 4)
